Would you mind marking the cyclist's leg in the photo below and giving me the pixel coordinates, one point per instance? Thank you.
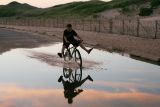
(62, 51)
(83, 47)
(82, 82)
(87, 78)
(61, 79)
(77, 43)
(64, 46)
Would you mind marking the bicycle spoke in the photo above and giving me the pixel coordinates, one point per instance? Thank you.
(77, 57)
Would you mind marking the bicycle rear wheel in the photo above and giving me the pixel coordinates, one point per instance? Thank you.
(67, 55)
(67, 72)
(76, 76)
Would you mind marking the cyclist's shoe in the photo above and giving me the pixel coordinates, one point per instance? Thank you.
(60, 78)
(89, 77)
(89, 51)
(80, 90)
(60, 55)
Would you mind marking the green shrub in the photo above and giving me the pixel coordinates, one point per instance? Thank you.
(124, 3)
(155, 3)
(125, 9)
(145, 11)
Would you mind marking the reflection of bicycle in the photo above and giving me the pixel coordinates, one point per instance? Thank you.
(71, 82)
(71, 75)
(73, 53)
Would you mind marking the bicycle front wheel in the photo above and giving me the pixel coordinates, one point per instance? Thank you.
(78, 74)
(78, 58)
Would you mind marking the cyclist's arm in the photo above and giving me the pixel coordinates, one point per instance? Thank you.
(75, 34)
(65, 39)
(79, 38)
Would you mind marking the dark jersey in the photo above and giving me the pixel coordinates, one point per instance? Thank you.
(69, 34)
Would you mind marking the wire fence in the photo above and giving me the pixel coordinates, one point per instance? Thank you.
(133, 27)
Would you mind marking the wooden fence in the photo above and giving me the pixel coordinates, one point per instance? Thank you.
(133, 27)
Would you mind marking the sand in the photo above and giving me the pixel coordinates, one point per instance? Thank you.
(54, 60)
(140, 47)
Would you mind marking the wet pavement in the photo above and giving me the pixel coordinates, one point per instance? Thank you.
(118, 81)
(10, 39)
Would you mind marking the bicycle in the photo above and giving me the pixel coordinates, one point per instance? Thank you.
(71, 75)
(73, 52)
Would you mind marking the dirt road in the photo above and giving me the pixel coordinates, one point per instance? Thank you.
(139, 47)
(10, 39)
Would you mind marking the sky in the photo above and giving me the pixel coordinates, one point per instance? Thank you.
(41, 3)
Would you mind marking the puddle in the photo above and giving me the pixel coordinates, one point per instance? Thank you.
(29, 78)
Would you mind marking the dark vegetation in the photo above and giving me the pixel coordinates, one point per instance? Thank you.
(76, 9)
(145, 11)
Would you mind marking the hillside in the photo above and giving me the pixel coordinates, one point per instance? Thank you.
(14, 9)
(1, 6)
(80, 9)
(83, 9)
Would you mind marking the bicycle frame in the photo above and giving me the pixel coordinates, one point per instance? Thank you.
(72, 52)
(69, 49)
(73, 76)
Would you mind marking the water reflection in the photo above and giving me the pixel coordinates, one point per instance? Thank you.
(32, 82)
(18, 96)
(72, 80)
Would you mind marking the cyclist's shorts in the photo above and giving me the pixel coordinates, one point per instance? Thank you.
(74, 42)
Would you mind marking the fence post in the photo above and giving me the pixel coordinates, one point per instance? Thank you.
(54, 22)
(63, 22)
(123, 27)
(75, 23)
(138, 26)
(90, 24)
(47, 22)
(99, 25)
(83, 24)
(57, 22)
(110, 26)
(27, 22)
(156, 29)
(44, 22)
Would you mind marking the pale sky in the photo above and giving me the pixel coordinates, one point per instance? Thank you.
(41, 3)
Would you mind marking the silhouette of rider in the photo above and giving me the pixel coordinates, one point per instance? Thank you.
(70, 90)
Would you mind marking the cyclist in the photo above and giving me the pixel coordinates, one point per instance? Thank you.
(70, 89)
(68, 38)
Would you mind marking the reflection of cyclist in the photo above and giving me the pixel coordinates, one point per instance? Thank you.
(68, 38)
(70, 90)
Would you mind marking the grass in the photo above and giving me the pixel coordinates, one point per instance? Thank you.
(77, 9)
(88, 8)
(80, 9)
(14, 9)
